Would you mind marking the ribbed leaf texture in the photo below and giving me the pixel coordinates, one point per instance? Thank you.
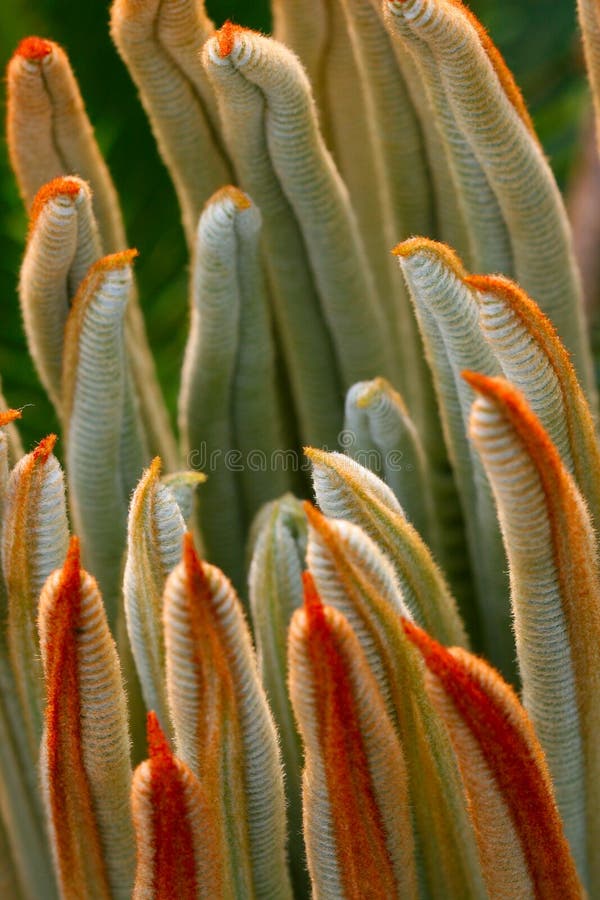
(63, 243)
(49, 136)
(258, 82)
(155, 533)
(355, 578)
(229, 408)
(34, 542)
(346, 490)
(342, 741)
(223, 727)
(159, 42)
(103, 429)
(495, 160)
(555, 591)
(85, 768)
(356, 813)
(523, 848)
(176, 829)
(278, 539)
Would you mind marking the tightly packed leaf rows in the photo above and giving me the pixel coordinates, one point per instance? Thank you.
(317, 720)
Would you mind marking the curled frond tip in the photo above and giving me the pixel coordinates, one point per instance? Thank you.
(34, 48)
(226, 38)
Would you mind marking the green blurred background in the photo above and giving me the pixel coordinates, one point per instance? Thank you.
(539, 39)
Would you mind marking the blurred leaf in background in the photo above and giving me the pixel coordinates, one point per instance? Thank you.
(538, 37)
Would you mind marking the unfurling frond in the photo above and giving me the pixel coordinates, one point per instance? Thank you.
(356, 810)
(34, 543)
(223, 728)
(86, 773)
(555, 586)
(346, 490)
(159, 42)
(278, 542)
(327, 311)
(534, 360)
(175, 828)
(63, 243)
(514, 210)
(50, 136)
(382, 437)
(356, 579)
(229, 408)
(102, 427)
(373, 132)
(522, 843)
(155, 532)
(449, 320)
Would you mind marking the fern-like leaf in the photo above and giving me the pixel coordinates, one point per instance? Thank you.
(86, 772)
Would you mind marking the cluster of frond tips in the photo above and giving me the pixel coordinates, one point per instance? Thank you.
(316, 718)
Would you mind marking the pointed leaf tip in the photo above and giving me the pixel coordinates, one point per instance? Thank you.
(34, 48)
(73, 553)
(155, 467)
(311, 512)
(44, 448)
(175, 870)
(312, 602)
(66, 610)
(158, 746)
(483, 384)
(191, 561)
(198, 585)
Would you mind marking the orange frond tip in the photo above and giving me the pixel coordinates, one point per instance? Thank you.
(158, 746)
(226, 38)
(312, 513)
(230, 192)
(492, 713)
(190, 557)
(9, 416)
(34, 48)
(155, 467)
(313, 604)
(514, 404)
(523, 306)
(487, 385)
(45, 448)
(446, 254)
(116, 260)
(72, 566)
(197, 581)
(419, 638)
(314, 454)
(58, 187)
